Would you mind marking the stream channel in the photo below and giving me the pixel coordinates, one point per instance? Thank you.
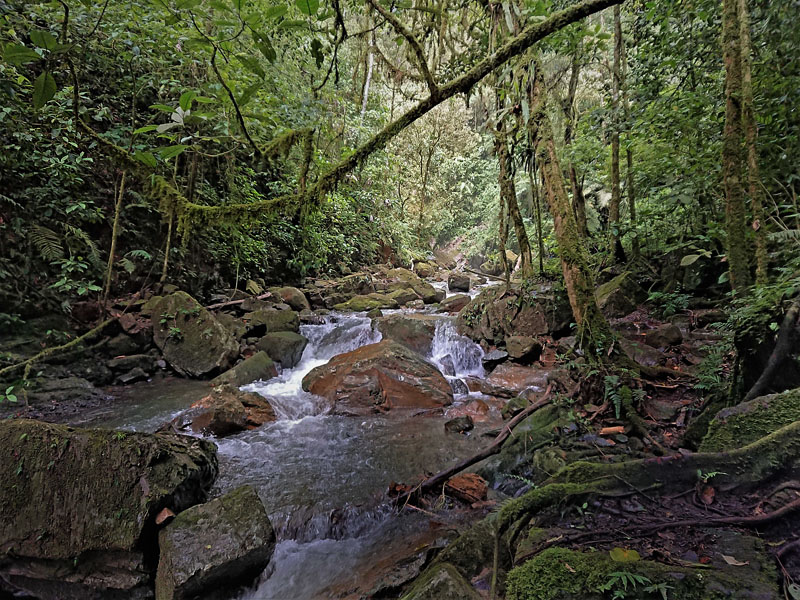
(323, 477)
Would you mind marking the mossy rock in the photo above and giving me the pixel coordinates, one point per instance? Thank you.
(285, 347)
(562, 574)
(262, 322)
(403, 296)
(257, 367)
(620, 296)
(79, 505)
(292, 296)
(408, 279)
(747, 422)
(191, 339)
(473, 550)
(363, 303)
(214, 547)
(442, 582)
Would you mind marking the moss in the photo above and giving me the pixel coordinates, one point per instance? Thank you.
(473, 549)
(363, 303)
(442, 582)
(749, 421)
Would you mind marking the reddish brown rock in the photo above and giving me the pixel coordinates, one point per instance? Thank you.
(468, 487)
(379, 377)
(226, 410)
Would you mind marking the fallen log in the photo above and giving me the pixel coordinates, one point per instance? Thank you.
(235, 302)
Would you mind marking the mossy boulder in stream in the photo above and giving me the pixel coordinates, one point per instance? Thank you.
(257, 367)
(191, 339)
(400, 278)
(262, 322)
(413, 330)
(442, 582)
(285, 347)
(362, 303)
(749, 421)
(210, 549)
(78, 506)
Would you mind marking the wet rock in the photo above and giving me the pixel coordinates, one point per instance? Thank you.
(379, 377)
(513, 407)
(663, 336)
(403, 278)
(413, 330)
(80, 517)
(448, 366)
(366, 303)
(214, 547)
(191, 339)
(74, 390)
(455, 303)
(620, 296)
(523, 347)
(424, 269)
(224, 411)
(459, 424)
(134, 361)
(132, 376)
(233, 324)
(459, 387)
(709, 317)
(375, 313)
(468, 487)
(458, 282)
(403, 296)
(222, 416)
(514, 379)
(491, 359)
(262, 322)
(641, 353)
(285, 347)
(292, 296)
(123, 344)
(442, 581)
(257, 367)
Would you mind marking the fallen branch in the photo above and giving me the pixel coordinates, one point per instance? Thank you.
(484, 275)
(442, 476)
(235, 302)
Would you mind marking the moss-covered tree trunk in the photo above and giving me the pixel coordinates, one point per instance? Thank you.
(508, 194)
(751, 138)
(593, 329)
(578, 200)
(732, 159)
(614, 224)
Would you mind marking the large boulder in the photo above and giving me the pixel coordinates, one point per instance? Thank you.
(403, 278)
(455, 303)
(257, 367)
(285, 347)
(292, 296)
(523, 347)
(403, 296)
(191, 339)
(424, 269)
(458, 282)
(620, 296)
(494, 315)
(361, 303)
(442, 582)
(78, 510)
(379, 377)
(262, 322)
(225, 411)
(214, 547)
(413, 330)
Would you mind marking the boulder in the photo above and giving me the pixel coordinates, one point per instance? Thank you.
(442, 581)
(123, 364)
(214, 547)
(663, 336)
(641, 353)
(413, 330)
(491, 359)
(292, 296)
(459, 387)
(262, 322)
(233, 324)
(285, 347)
(403, 296)
(523, 347)
(467, 487)
(379, 377)
(362, 303)
(458, 282)
(225, 411)
(620, 296)
(424, 269)
(459, 424)
(191, 339)
(403, 278)
(455, 303)
(79, 519)
(134, 375)
(375, 313)
(257, 367)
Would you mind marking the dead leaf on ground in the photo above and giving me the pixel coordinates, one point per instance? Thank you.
(732, 561)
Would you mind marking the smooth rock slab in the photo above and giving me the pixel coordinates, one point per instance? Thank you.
(224, 543)
(413, 330)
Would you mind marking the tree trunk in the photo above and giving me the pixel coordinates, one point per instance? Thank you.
(629, 184)
(751, 137)
(508, 194)
(537, 211)
(578, 201)
(594, 333)
(616, 194)
(732, 160)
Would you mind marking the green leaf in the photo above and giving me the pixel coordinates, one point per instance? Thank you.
(794, 591)
(186, 99)
(308, 7)
(17, 54)
(145, 129)
(251, 64)
(44, 88)
(43, 39)
(274, 12)
(317, 53)
(172, 151)
(248, 94)
(624, 555)
(146, 158)
(291, 24)
(163, 107)
(689, 259)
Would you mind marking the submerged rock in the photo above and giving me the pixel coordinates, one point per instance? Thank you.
(214, 547)
(191, 339)
(79, 519)
(379, 377)
(413, 330)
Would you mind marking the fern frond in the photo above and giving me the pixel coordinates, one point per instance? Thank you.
(80, 235)
(127, 264)
(785, 235)
(47, 242)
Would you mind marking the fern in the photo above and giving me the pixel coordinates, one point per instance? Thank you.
(785, 235)
(142, 254)
(80, 235)
(47, 242)
(128, 265)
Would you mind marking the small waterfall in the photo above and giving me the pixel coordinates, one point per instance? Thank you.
(339, 334)
(456, 356)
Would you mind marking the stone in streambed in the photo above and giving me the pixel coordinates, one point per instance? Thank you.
(362, 303)
(79, 517)
(491, 359)
(210, 549)
(455, 303)
(413, 330)
(458, 282)
(459, 424)
(285, 347)
(664, 336)
(262, 322)
(257, 367)
(379, 377)
(225, 411)
(523, 347)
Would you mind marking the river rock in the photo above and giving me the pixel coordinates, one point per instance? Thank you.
(459, 424)
(468, 487)
(459, 387)
(368, 302)
(257, 367)
(493, 358)
(233, 324)
(191, 339)
(403, 278)
(403, 296)
(285, 347)
(221, 415)
(663, 336)
(458, 282)
(523, 347)
(292, 296)
(413, 330)
(620, 296)
(379, 377)
(455, 303)
(79, 519)
(442, 581)
(424, 269)
(214, 547)
(262, 322)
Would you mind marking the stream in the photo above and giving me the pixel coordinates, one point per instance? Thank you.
(323, 477)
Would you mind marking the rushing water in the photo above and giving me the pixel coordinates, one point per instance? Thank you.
(323, 477)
